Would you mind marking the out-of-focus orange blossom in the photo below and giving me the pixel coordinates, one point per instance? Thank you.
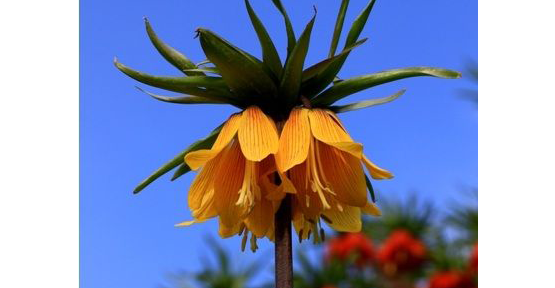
(401, 252)
(451, 279)
(356, 245)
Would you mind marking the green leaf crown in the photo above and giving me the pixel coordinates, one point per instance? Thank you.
(242, 80)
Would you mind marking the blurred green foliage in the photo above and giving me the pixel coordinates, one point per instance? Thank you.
(406, 247)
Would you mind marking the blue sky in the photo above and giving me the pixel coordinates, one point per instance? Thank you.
(428, 137)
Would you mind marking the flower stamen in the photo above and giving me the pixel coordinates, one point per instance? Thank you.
(250, 189)
(315, 174)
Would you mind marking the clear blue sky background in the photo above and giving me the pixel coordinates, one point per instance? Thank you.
(428, 137)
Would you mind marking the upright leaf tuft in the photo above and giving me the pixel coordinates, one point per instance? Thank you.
(270, 56)
(338, 27)
(326, 78)
(243, 73)
(292, 74)
(291, 40)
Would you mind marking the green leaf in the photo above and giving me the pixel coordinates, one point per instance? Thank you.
(291, 40)
(204, 143)
(204, 62)
(358, 24)
(321, 66)
(366, 103)
(243, 73)
(292, 73)
(356, 84)
(212, 70)
(325, 78)
(338, 26)
(170, 54)
(184, 99)
(215, 86)
(270, 55)
(370, 188)
(183, 169)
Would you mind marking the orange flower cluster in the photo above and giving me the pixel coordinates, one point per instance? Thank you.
(401, 252)
(355, 245)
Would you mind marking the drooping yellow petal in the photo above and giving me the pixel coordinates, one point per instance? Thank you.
(189, 223)
(327, 129)
(270, 232)
(344, 173)
(371, 209)
(267, 181)
(334, 116)
(257, 134)
(352, 148)
(375, 171)
(268, 177)
(279, 191)
(197, 159)
(228, 180)
(345, 220)
(206, 209)
(261, 217)
(286, 184)
(202, 184)
(228, 231)
(294, 140)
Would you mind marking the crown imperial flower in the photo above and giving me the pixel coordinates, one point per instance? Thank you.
(287, 141)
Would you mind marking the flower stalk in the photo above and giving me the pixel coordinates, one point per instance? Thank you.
(283, 249)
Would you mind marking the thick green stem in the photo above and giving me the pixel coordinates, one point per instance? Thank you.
(284, 254)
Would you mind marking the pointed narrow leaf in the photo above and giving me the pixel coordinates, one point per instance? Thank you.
(173, 56)
(212, 70)
(204, 143)
(182, 170)
(323, 65)
(358, 24)
(356, 84)
(185, 99)
(370, 188)
(325, 78)
(215, 86)
(336, 80)
(292, 73)
(366, 103)
(338, 27)
(203, 62)
(270, 55)
(243, 73)
(291, 40)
